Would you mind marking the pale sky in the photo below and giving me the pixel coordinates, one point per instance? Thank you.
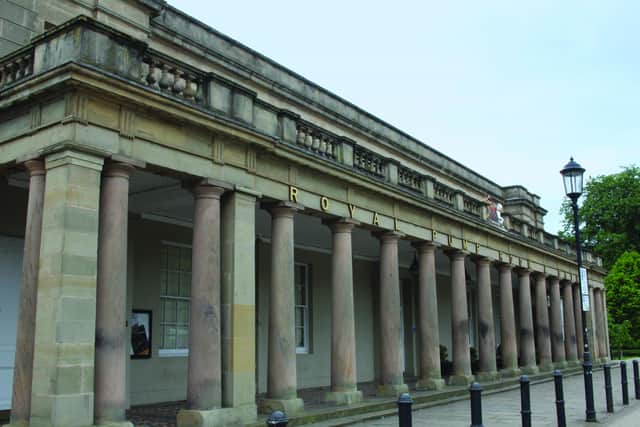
(508, 89)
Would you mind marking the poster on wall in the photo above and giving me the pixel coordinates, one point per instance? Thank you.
(140, 334)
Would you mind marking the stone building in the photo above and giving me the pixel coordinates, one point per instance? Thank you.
(184, 218)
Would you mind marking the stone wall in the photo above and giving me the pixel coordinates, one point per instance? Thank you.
(18, 23)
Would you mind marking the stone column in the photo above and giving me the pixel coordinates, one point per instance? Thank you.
(601, 326)
(527, 344)
(237, 311)
(557, 336)
(23, 370)
(112, 341)
(204, 380)
(461, 374)
(239, 306)
(428, 328)
(543, 343)
(577, 310)
(508, 343)
(487, 370)
(282, 391)
(64, 354)
(570, 342)
(344, 379)
(391, 378)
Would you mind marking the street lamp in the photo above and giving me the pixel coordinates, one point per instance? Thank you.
(572, 176)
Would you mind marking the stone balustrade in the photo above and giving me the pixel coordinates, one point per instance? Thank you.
(409, 178)
(444, 193)
(472, 206)
(312, 139)
(172, 78)
(368, 161)
(15, 68)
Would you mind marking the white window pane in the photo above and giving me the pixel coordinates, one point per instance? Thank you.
(169, 337)
(173, 284)
(173, 258)
(169, 311)
(185, 284)
(300, 337)
(183, 312)
(182, 340)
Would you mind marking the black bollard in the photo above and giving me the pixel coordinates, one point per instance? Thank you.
(404, 410)
(624, 382)
(557, 379)
(475, 390)
(525, 401)
(636, 379)
(608, 389)
(277, 418)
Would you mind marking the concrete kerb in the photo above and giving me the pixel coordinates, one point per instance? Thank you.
(375, 408)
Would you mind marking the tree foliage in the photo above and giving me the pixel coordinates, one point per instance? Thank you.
(620, 337)
(610, 215)
(623, 293)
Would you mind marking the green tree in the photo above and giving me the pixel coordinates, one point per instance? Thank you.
(620, 337)
(623, 293)
(610, 215)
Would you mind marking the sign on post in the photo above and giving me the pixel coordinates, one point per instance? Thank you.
(584, 284)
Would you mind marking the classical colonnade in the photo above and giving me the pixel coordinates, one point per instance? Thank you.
(555, 342)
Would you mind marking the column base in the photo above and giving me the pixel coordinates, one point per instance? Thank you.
(483, 377)
(288, 406)
(510, 372)
(561, 365)
(430, 384)
(115, 424)
(550, 366)
(391, 390)
(460, 380)
(218, 417)
(344, 397)
(573, 363)
(530, 370)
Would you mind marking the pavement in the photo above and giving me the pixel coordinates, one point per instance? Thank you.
(503, 408)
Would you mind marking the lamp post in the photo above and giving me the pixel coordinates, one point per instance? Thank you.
(572, 177)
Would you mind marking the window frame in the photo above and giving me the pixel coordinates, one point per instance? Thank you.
(306, 348)
(178, 351)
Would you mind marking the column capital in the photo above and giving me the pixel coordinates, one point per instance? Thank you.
(341, 225)
(481, 260)
(425, 246)
(35, 167)
(282, 209)
(117, 169)
(504, 266)
(455, 253)
(522, 271)
(73, 157)
(388, 236)
(539, 274)
(207, 192)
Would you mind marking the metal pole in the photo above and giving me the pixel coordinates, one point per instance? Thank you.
(525, 401)
(624, 382)
(586, 357)
(557, 379)
(475, 390)
(404, 410)
(636, 379)
(608, 390)
(277, 419)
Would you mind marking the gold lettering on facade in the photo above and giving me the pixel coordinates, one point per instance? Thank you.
(395, 223)
(293, 194)
(324, 203)
(376, 220)
(352, 210)
(450, 240)
(465, 244)
(434, 235)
